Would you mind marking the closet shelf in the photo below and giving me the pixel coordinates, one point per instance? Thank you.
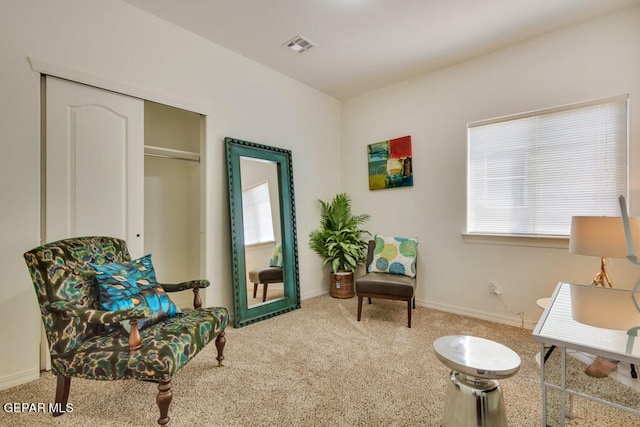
(168, 153)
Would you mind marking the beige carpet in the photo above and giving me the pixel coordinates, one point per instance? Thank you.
(274, 291)
(318, 366)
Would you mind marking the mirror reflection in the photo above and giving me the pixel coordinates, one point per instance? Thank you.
(264, 245)
(262, 234)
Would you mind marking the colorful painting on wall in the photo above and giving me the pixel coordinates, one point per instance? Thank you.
(390, 164)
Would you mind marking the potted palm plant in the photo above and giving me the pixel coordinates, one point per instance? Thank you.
(338, 240)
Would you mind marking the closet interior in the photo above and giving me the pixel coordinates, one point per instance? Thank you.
(173, 183)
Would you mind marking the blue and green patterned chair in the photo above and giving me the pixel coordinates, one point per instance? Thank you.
(145, 338)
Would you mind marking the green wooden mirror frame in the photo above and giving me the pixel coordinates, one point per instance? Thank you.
(243, 314)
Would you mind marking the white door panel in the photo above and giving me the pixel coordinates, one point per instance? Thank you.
(94, 164)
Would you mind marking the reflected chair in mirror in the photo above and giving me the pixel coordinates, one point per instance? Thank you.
(390, 272)
(140, 335)
(266, 275)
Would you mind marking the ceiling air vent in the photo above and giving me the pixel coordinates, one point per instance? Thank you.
(299, 44)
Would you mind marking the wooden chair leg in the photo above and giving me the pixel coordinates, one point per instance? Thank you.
(220, 342)
(264, 291)
(359, 307)
(197, 301)
(414, 302)
(409, 311)
(369, 300)
(255, 289)
(163, 399)
(62, 394)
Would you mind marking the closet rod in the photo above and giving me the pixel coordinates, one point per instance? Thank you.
(162, 156)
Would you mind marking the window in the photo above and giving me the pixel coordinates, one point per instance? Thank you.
(528, 174)
(256, 214)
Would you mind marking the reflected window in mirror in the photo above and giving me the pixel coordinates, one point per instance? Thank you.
(256, 214)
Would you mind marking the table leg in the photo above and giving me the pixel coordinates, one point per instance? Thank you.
(563, 385)
(544, 389)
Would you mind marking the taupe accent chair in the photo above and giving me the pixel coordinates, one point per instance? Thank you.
(265, 276)
(385, 286)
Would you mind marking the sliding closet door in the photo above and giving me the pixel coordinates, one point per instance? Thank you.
(94, 165)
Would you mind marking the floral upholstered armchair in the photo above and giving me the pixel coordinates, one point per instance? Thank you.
(107, 318)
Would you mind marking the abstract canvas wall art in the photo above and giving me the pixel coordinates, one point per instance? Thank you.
(390, 164)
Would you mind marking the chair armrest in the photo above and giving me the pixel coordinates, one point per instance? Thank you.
(191, 284)
(91, 315)
(194, 285)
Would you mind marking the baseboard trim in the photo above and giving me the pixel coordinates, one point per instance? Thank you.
(19, 378)
(492, 317)
(314, 294)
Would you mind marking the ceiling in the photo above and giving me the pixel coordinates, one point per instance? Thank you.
(361, 45)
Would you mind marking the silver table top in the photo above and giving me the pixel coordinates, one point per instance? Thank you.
(477, 357)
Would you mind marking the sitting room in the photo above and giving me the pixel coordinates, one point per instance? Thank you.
(471, 136)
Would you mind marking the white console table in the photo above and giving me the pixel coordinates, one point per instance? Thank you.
(557, 328)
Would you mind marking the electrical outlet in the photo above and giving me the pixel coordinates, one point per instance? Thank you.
(493, 288)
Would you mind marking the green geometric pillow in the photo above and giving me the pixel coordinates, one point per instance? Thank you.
(276, 257)
(394, 255)
(133, 284)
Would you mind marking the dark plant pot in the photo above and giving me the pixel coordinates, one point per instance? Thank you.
(342, 285)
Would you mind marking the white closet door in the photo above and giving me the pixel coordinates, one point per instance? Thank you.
(94, 164)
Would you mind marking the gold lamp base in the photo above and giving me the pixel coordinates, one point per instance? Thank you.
(602, 276)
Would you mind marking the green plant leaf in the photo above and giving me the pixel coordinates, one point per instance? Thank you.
(338, 238)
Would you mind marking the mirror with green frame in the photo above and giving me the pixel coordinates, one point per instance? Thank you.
(264, 246)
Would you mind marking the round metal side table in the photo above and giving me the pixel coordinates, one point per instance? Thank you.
(473, 395)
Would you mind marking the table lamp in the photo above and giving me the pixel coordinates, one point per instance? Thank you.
(604, 237)
(631, 232)
(601, 236)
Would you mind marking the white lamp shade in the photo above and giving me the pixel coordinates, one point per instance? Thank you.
(601, 307)
(602, 236)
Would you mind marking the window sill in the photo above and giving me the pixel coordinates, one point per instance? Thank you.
(554, 242)
(260, 245)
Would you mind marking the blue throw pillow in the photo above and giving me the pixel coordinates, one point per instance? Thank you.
(133, 284)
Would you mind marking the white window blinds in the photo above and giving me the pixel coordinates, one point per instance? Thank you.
(256, 214)
(528, 174)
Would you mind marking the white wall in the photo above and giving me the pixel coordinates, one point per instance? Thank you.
(599, 58)
(113, 41)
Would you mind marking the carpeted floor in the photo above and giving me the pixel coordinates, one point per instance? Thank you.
(318, 366)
